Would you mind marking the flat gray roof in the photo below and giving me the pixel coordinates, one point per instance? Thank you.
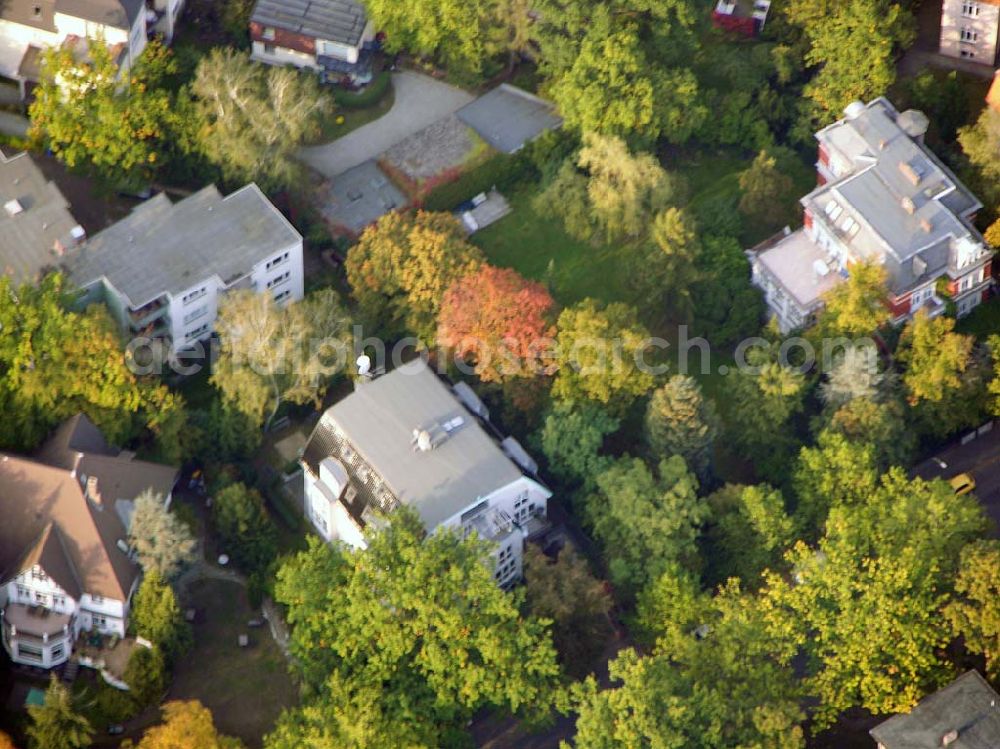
(359, 196)
(378, 419)
(793, 262)
(969, 706)
(340, 21)
(508, 117)
(164, 247)
(28, 239)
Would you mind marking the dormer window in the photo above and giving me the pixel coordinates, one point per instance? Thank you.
(37, 11)
(268, 33)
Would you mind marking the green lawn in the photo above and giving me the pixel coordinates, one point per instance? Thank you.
(983, 322)
(245, 688)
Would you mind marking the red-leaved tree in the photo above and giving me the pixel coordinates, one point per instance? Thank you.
(500, 321)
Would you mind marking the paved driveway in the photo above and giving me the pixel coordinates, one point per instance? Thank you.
(419, 101)
(13, 124)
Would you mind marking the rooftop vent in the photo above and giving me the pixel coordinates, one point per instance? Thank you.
(427, 438)
(907, 203)
(949, 738)
(854, 110)
(820, 268)
(926, 225)
(914, 123)
(78, 233)
(93, 490)
(912, 171)
(13, 207)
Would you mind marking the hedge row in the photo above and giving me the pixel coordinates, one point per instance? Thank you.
(368, 97)
(501, 170)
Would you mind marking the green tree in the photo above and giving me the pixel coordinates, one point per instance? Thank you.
(767, 193)
(271, 354)
(681, 421)
(854, 49)
(974, 614)
(254, 117)
(243, 525)
(766, 396)
(565, 592)
(880, 423)
(157, 616)
(402, 266)
(865, 606)
(645, 522)
(55, 363)
(572, 438)
(854, 374)
(612, 88)
(724, 277)
(667, 271)
(724, 683)
(856, 307)
(224, 434)
(421, 619)
(124, 134)
(981, 144)
(935, 358)
(146, 676)
(599, 349)
(619, 193)
(162, 543)
(748, 533)
(834, 472)
(55, 724)
(351, 716)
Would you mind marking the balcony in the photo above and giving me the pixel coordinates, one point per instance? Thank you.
(35, 624)
(148, 314)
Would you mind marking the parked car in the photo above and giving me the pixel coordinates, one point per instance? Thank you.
(963, 483)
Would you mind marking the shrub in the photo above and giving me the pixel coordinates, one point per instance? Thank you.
(502, 171)
(368, 97)
(146, 676)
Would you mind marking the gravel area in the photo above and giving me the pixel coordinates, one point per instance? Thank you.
(444, 145)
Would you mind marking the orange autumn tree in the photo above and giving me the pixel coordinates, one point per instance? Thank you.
(499, 320)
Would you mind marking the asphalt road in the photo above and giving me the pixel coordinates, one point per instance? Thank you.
(981, 458)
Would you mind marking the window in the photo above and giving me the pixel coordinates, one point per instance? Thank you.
(190, 317)
(59, 601)
(96, 598)
(968, 35)
(57, 652)
(967, 53)
(268, 32)
(193, 295)
(39, 575)
(970, 8)
(282, 296)
(29, 651)
(276, 261)
(196, 333)
(269, 49)
(23, 592)
(101, 622)
(278, 280)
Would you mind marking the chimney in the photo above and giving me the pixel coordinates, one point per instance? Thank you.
(907, 203)
(926, 225)
(949, 738)
(93, 492)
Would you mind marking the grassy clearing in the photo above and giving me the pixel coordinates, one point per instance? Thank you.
(245, 688)
(345, 119)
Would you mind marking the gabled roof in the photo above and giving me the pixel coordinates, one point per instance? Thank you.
(49, 553)
(48, 520)
(341, 21)
(378, 421)
(33, 497)
(38, 219)
(164, 247)
(968, 706)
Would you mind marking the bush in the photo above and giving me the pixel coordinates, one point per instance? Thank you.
(502, 171)
(146, 676)
(244, 527)
(368, 97)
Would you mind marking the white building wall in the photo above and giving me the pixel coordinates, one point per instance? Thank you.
(274, 55)
(273, 280)
(969, 30)
(14, 41)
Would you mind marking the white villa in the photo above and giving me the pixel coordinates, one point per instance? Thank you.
(28, 27)
(64, 562)
(163, 270)
(408, 438)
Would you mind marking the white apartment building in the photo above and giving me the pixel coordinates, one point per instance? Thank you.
(883, 198)
(28, 27)
(163, 270)
(969, 29)
(407, 438)
(64, 562)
